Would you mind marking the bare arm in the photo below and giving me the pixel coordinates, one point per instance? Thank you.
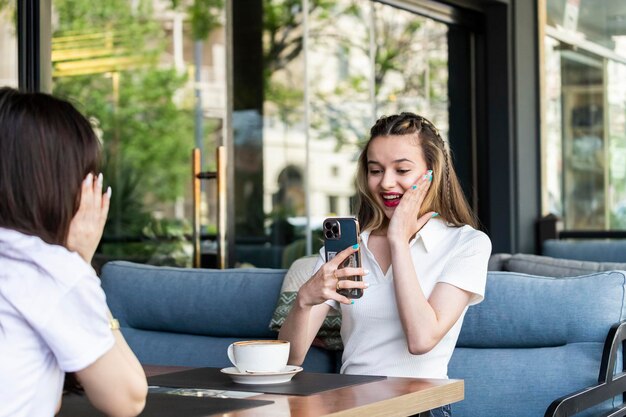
(116, 383)
(424, 321)
(300, 328)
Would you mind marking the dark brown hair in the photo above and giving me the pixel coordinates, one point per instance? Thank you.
(46, 149)
(444, 196)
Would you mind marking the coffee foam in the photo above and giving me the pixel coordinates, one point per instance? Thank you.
(260, 342)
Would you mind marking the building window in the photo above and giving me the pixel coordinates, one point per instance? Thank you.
(333, 204)
(584, 102)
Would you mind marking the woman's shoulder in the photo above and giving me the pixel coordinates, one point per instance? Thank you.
(29, 252)
(474, 237)
(466, 236)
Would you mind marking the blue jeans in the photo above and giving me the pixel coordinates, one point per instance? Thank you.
(444, 411)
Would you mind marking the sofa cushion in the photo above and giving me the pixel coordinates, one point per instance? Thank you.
(534, 339)
(554, 267)
(175, 349)
(524, 382)
(221, 303)
(329, 336)
(586, 249)
(522, 311)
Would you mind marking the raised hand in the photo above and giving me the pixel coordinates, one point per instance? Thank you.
(323, 285)
(88, 224)
(404, 222)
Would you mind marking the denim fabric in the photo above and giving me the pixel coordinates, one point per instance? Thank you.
(444, 411)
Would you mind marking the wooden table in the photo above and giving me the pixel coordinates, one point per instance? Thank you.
(388, 397)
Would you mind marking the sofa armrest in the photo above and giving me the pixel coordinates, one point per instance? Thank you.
(609, 384)
(497, 261)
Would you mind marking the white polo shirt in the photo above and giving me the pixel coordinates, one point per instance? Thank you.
(53, 319)
(374, 341)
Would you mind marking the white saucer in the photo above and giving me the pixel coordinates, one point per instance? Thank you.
(257, 378)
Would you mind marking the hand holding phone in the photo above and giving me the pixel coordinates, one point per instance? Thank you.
(341, 233)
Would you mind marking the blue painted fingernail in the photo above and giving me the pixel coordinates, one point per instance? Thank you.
(429, 172)
(435, 214)
(352, 302)
(414, 187)
(355, 246)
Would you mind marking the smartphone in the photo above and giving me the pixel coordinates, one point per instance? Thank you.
(341, 233)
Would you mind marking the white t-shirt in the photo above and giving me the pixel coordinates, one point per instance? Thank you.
(53, 319)
(372, 334)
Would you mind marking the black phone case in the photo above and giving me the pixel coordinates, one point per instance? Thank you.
(349, 228)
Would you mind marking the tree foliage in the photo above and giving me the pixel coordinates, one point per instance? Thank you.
(145, 124)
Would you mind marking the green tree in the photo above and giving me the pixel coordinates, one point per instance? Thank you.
(107, 62)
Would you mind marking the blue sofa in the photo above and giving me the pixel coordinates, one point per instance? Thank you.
(597, 250)
(532, 340)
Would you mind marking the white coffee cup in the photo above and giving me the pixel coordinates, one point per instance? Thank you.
(259, 355)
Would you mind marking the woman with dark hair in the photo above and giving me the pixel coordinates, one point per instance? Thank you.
(427, 261)
(53, 314)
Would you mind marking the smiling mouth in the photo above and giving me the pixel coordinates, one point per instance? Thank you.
(391, 200)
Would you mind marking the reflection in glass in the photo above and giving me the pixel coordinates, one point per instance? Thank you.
(411, 65)
(616, 101)
(552, 162)
(583, 140)
(324, 85)
(599, 22)
(584, 143)
(8, 44)
(127, 64)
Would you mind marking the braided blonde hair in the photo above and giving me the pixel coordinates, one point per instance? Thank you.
(444, 196)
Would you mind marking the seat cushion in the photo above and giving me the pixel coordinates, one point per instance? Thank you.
(524, 311)
(173, 349)
(523, 382)
(222, 303)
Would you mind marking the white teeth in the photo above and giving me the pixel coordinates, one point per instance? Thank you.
(391, 197)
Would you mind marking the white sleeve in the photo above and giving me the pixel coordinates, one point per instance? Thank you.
(77, 330)
(466, 267)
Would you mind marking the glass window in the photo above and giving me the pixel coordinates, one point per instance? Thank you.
(325, 80)
(584, 137)
(8, 43)
(151, 78)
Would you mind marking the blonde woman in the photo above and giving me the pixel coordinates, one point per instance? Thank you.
(423, 261)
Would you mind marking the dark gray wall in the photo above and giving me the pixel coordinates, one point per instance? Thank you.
(507, 105)
(527, 107)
